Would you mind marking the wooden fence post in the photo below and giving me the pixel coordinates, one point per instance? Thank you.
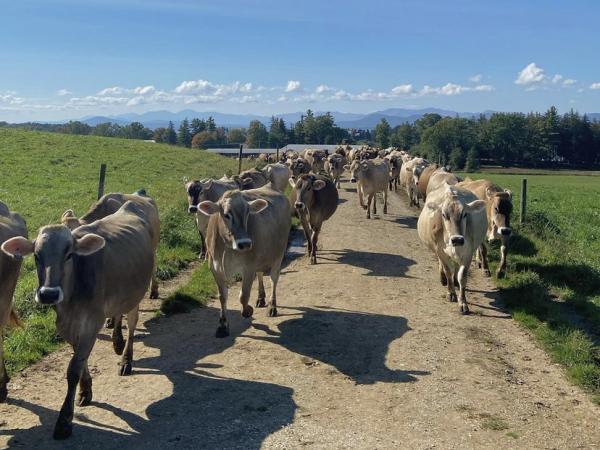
(523, 200)
(240, 159)
(277, 160)
(101, 180)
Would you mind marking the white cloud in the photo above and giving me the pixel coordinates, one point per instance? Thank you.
(484, 88)
(569, 82)
(115, 90)
(476, 78)
(557, 78)
(63, 92)
(293, 86)
(402, 89)
(11, 99)
(322, 88)
(595, 86)
(143, 90)
(530, 75)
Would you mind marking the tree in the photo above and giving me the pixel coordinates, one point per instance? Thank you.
(170, 135)
(203, 140)
(472, 160)
(210, 124)
(277, 133)
(160, 135)
(257, 135)
(383, 132)
(184, 137)
(196, 126)
(136, 130)
(236, 136)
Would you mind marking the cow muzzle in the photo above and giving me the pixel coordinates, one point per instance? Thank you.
(352, 180)
(193, 209)
(49, 295)
(505, 231)
(299, 205)
(457, 240)
(242, 245)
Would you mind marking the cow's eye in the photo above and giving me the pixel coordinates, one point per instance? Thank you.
(496, 210)
(445, 216)
(69, 256)
(227, 216)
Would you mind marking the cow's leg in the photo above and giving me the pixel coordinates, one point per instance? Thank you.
(109, 324)
(84, 398)
(485, 268)
(369, 206)
(3, 375)
(385, 198)
(261, 301)
(503, 254)
(132, 320)
(361, 200)
(223, 328)
(275, 269)
(247, 280)
(375, 203)
(462, 282)
(443, 278)
(117, 334)
(449, 272)
(203, 254)
(154, 282)
(82, 350)
(307, 232)
(315, 240)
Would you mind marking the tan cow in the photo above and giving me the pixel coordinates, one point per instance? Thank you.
(316, 159)
(334, 166)
(111, 203)
(299, 166)
(250, 179)
(278, 175)
(498, 203)
(95, 271)
(452, 225)
(372, 176)
(422, 180)
(315, 198)
(440, 177)
(395, 163)
(414, 169)
(247, 234)
(11, 225)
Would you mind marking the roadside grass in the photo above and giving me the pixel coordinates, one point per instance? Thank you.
(43, 174)
(552, 286)
(195, 293)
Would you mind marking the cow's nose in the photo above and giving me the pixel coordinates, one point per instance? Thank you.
(242, 244)
(49, 295)
(457, 240)
(299, 205)
(193, 209)
(352, 180)
(505, 231)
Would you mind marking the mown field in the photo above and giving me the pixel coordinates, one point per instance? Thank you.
(553, 282)
(42, 174)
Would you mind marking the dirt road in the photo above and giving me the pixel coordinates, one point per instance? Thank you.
(366, 353)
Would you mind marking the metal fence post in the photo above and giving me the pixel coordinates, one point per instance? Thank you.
(101, 180)
(523, 200)
(240, 159)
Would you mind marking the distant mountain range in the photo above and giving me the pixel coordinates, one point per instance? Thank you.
(395, 116)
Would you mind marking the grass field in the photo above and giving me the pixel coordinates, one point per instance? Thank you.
(553, 282)
(42, 174)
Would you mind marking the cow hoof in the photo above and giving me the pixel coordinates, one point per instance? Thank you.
(313, 260)
(452, 298)
(247, 311)
(222, 331)
(385, 210)
(3, 394)
(84, 398)
(154, 295)
(62, 429)
(124, 369)
(464, 309)
(261, 303)
(272, 311)
(500, 275)
(109, 324)
(363, 206)
(443, 280)
(118, 344)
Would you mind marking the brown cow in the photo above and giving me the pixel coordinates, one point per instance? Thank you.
(440, 177)
(423, 179)
(334, 167)
(97, 270)
(498, 203)
(11, 225)
(247, 234)
(315, 198)
(372, 176)
(299, 166)
(111, 203)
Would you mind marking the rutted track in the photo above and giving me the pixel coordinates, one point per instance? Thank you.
(366, 353)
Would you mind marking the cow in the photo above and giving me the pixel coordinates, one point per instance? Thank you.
(95, 271)
(278, 175)
(315, 199)
(251, 179)
(335, 167)
(498, 203)
(395, 165)
(247, 234)
(111, 203)
(422, 179)
(299, 166)
(316, 159)
(11, 225)
(407, 177)
(439, 177)
(372, 176)
(452, 225)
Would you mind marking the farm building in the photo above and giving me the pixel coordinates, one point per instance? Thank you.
(257, 151)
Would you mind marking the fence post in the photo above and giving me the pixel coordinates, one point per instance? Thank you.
(240, 159)
(523, 200)
(101, 180)
(277, 160)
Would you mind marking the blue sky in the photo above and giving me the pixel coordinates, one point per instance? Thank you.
(71, 58)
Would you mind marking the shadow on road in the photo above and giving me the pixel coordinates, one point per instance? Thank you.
(377, 264)
(204, 410)
(355, 343)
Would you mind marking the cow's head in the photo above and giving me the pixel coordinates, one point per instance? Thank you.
(455, 214)
(69, 220)
(53, 249)
(358, 170)
(196, 190)
(299, 166)
(232, 212)
(305, 187)
(501, 209)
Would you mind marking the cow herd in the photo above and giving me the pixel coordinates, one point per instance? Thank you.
(99, 266)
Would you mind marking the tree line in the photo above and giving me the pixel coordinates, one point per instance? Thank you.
(507, 139)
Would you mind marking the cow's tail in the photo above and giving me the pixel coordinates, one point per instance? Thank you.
(141, 192)
(13, 319)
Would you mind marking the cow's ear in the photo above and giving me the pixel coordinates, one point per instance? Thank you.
(292, 182)
(489, 193)
(432, 206)
(257, 205)
(346, 167)
(476, 206)
(68, 214)
(114, 204)
(185, 180)
(206, 185)
(318, 185)
(89, 244)
(509, 192)
(18, 247)
(208, 208)
(246, 182)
